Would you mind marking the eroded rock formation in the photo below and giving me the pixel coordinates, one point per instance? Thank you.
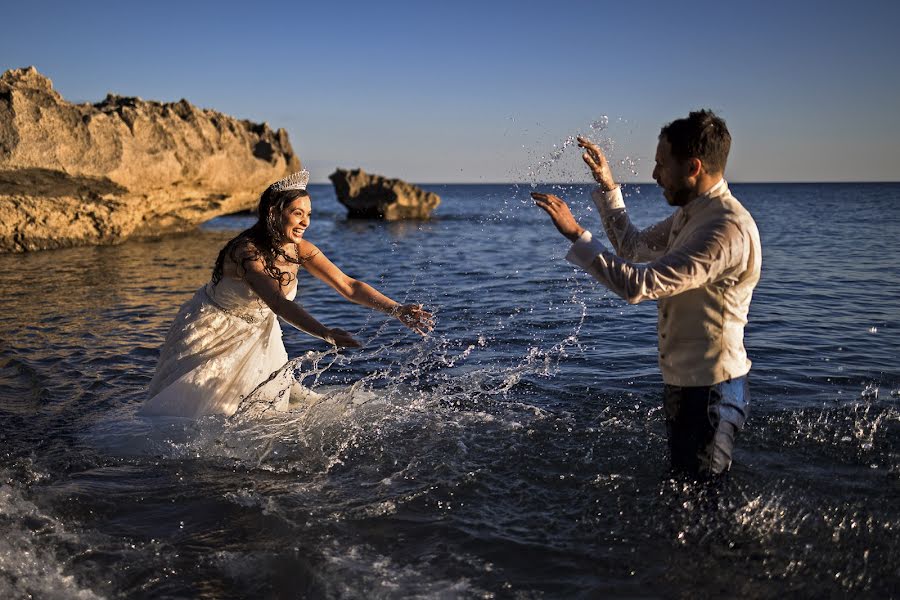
(376, 197)
(80, 174)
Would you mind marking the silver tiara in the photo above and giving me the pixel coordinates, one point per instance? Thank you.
(296, 181)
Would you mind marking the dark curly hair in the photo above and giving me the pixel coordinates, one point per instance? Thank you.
(702, 135)
(265, 239)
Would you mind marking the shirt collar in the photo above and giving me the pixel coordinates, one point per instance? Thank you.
(702, 200)
(715, 189)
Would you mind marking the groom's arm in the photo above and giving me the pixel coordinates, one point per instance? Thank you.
(627, 240)
(706, 257)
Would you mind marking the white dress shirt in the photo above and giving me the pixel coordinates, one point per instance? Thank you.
(701, 264)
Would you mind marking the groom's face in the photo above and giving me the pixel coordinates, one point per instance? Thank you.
(672, 174)
(295, 218)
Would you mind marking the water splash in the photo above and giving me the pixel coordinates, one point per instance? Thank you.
(561, 164)
(870, 392)
(546, 162)
(306, 416)
(600, 124)
(548, 165)
(853, 430)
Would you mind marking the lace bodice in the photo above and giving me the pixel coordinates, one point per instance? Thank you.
(223, 343)
(236, 297)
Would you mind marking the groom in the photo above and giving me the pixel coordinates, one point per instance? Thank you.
(701, 265)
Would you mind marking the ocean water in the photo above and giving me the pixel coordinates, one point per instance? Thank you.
(517, 452)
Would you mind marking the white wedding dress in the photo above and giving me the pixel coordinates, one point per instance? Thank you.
(223, 344)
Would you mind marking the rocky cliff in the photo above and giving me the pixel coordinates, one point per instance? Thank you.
(376, 197)
(81, 174)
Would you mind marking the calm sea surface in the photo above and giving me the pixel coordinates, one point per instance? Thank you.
(518, 452)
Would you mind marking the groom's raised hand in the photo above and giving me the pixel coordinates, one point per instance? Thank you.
(560, 214)
(596, 161)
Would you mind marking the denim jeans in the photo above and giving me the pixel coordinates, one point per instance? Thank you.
(702, 422)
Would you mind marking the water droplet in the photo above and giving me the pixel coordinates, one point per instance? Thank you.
(600, 124)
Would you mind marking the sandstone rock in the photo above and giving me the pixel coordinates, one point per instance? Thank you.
(81, 174)
(375, 197)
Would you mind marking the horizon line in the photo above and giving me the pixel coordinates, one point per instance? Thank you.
(730, 182)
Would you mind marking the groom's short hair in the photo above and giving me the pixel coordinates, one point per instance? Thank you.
(702, 135)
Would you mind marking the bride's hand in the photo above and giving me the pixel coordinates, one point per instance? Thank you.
(341, 339)
(415, 317)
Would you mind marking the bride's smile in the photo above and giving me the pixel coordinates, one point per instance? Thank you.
(295, 218)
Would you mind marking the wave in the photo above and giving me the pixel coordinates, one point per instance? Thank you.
(37, 550)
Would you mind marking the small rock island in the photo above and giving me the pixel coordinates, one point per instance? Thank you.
(375, 197)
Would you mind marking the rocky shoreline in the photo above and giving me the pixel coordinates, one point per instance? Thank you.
(88, 174)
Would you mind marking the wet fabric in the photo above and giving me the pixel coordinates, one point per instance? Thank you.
(702, 422)
(701, 264)
(223, 344)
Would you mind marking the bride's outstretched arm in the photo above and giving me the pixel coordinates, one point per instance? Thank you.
(412, 315)
(269, 290)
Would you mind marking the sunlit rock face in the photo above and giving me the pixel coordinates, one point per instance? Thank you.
(376, 197)
(84, 174)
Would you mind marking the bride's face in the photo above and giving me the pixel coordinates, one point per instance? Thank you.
(295, 218)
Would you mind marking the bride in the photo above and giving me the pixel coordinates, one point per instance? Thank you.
(226, 340)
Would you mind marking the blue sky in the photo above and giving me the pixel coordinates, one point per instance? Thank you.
(480, 91)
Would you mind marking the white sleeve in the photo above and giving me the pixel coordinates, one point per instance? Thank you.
(584, 251)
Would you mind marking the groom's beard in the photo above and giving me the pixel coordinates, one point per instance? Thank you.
(680, 196)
